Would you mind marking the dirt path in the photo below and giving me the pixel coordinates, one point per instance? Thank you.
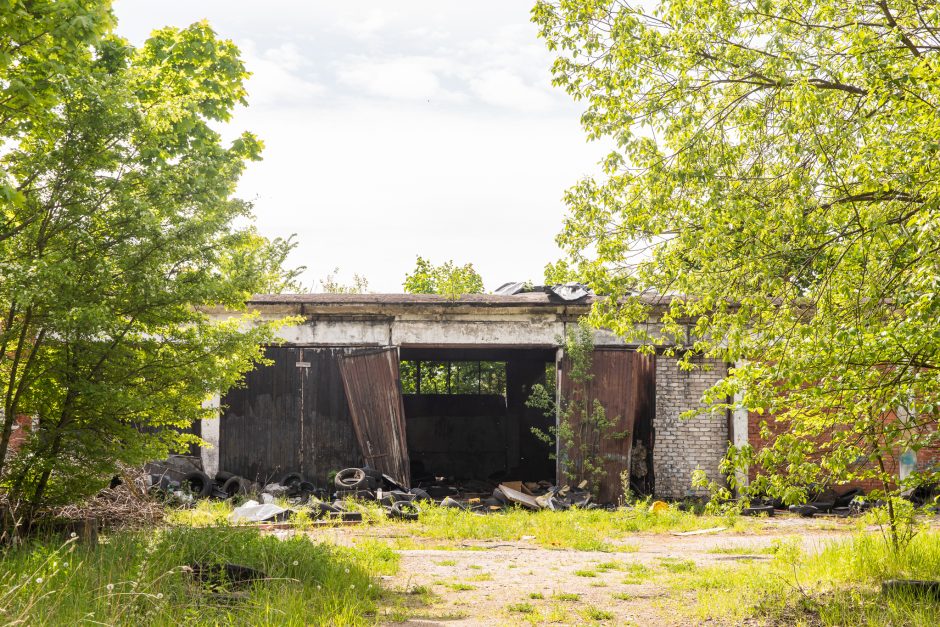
(508, 583)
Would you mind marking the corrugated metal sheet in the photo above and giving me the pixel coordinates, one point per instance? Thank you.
(374, 394)
(329, 438)
(259, 434)
(289, 416)
(624, 383)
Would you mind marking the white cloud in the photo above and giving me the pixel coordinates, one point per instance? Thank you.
(363, 26)
(361, 167)
(503, 88)
(275, 80)
(287, 56)
(402, 78)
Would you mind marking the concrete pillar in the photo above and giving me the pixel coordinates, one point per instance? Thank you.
(739, 429)
(210, 433)
(907, 461)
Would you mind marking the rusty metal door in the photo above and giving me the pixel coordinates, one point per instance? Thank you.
(624, 383)
(373, 391)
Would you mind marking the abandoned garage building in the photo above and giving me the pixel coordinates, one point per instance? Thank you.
(422, 386)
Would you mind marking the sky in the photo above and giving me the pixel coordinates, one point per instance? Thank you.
(398, 129)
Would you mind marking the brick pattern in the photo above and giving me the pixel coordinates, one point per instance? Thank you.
(21, 428)
(926, 458)
(682, 446)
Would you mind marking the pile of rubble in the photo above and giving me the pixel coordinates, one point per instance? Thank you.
(183, 482)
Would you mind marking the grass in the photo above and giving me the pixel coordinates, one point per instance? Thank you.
(582, 530)
(567, 596)
(747, 550)
(460, 587)
(585, 573)
(607, 566)
(593, 613)
(536, 595)
(636, 573)
(521, 608)
(144, 578)
(676, 565)
(838, 586)
(447, 563)
(441, 527)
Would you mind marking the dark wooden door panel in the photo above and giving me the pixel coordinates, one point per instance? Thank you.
(624, 381)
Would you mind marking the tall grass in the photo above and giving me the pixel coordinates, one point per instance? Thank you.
(840, 585)
(145, 578)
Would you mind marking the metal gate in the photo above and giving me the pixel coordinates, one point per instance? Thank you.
(290, 415)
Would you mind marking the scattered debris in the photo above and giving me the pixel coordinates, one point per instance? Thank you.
(219, 575)
(124, 505)
(518, 497)
(252, 511)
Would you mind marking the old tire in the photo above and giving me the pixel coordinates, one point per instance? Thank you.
(199, 483)
(236, 485)
(351, 479)
(405, 510)
(223, 476)
(419, 494)
(757, 510)
(291, 478)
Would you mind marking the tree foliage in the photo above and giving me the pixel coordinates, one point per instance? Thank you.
(119, 227)
(446, 279)
(776, 166)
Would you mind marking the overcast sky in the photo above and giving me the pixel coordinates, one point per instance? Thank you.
(396, 129)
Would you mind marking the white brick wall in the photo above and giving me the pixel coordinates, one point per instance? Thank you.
(682, 446)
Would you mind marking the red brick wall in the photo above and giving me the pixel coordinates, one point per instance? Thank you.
(927, 457)
(21, 428)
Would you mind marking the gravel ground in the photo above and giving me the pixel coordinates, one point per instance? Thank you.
(493, 583)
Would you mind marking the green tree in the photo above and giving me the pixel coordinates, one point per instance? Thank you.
(37, 39)
(446, 279)
(776, 166)
(123, 230)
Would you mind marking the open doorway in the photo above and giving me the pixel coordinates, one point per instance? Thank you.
(466, 413)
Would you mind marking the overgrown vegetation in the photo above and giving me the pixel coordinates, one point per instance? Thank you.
(774, 175)
(582, 421)
(453, 377)
(838, 586)
(446, 279)
(146, 578)
(583, 530)
(579, 529)
(117, 225)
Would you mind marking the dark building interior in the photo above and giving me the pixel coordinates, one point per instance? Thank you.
(466, 413)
